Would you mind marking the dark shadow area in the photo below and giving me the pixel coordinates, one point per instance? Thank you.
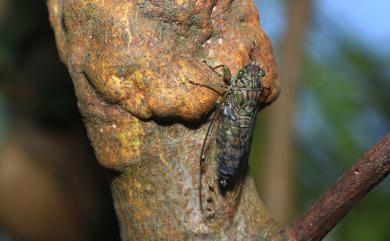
(51, 185)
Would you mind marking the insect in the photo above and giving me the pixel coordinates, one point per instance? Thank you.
(225, 151)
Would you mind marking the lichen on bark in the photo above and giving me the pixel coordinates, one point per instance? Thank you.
(139, 75)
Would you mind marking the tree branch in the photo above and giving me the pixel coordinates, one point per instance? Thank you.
(368, 171)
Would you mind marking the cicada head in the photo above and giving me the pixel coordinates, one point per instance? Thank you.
(249, 77)
(247, 86)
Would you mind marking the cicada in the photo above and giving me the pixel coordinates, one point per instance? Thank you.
(225, 151)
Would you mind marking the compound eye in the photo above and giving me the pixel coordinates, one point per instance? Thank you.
(261, 73)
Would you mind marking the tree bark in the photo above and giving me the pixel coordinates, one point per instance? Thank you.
(134, 65)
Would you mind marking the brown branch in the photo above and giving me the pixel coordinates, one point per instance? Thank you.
(368, 171)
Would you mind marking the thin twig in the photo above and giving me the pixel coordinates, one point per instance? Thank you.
(368, 171)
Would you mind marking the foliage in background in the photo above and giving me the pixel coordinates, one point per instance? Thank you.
(42, 135)
(343, 112)
(343, 108)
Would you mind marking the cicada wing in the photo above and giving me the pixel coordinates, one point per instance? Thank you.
(217, 207)
(247, 139)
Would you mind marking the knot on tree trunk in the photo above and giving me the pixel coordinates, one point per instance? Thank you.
(140, 76)
(145, 59)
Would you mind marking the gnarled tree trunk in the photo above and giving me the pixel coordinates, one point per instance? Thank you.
(134, 65)
(140, 79)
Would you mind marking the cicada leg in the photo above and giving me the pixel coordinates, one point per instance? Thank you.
(226, 74)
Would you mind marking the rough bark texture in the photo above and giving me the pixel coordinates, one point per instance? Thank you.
(134, 65)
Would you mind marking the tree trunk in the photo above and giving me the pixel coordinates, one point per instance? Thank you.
(134, 65)
(145, 93)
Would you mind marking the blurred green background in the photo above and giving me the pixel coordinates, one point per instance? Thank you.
(333, 58)
(51, 188)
